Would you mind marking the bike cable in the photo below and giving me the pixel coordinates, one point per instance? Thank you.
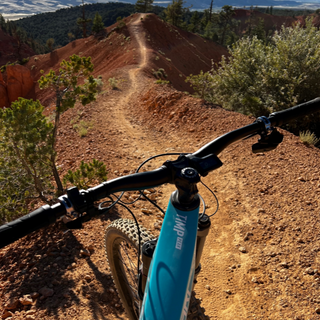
(217, 201)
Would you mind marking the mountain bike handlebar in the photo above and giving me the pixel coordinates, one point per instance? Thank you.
(47, 215)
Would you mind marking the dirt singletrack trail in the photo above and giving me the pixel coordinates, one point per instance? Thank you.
(132, 79)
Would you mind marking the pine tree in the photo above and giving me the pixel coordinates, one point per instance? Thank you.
(210, 10)
(144, 5)
(25, 152)
(175, 12)
(195, 22)
(50, 43)
(83, 22)
(66, 86)
(225, 18)
(97, 23)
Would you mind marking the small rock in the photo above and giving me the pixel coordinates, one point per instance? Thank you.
(207, 287)
(34, 295)
(12, 304)
(46, 292)
(242, 249)
(157, 226)
(152, 197)
(261, 210)
(30, 317)
(228, 291)
(26, 300)
(6, 314)
(254, 279)
(146, 211)
(30, 312)
(317, 310)
(309, 271)
(87, 278)
(85, 253)
(246, 237)
(284, 265)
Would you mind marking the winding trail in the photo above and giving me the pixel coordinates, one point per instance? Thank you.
(136, 83)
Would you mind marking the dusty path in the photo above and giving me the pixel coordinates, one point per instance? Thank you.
(145, 142)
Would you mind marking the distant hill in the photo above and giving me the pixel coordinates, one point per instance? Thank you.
(15, 9)
(58, 24)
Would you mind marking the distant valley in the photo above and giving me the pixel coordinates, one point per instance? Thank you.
(16, 9)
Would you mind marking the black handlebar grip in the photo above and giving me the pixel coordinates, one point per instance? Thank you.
(33, 221)
(281, 117)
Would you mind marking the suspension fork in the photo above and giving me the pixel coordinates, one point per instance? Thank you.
(149, 247)
(204, 224)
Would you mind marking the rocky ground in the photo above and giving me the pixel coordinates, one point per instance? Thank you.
(261, 259)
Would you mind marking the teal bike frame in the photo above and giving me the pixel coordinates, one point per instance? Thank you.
(171, 273)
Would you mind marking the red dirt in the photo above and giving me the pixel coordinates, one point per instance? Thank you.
(269, 203)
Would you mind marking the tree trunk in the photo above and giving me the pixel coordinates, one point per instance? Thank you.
(54, 141)
(56, 175)
(210, 11)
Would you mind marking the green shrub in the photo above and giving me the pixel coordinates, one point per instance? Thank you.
(82, 127)
(99, 83)
(308, 138)
(25, 151)
(160, 73)
(260, 78)
(87, 174)
(114, 83)
(160, 81)
(121, 23)
(201, 84)
(24, 61)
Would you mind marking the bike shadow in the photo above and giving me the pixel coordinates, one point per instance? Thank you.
(45, 267)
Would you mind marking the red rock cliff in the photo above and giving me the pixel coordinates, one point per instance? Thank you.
(18, 84)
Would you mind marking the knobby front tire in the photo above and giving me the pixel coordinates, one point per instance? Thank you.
(121, 244)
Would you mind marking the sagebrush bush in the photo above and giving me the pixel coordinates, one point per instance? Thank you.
(308, 138)
(260, 78)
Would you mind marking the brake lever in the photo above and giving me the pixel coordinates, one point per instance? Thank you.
(268, 142)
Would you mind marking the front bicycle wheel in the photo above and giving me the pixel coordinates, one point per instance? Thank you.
(121, 244)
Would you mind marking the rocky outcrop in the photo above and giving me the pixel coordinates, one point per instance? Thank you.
(18, 84)
(4, 101)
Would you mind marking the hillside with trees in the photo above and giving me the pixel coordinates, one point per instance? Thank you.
(62, 25)
(16, 44)
(225, 26)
